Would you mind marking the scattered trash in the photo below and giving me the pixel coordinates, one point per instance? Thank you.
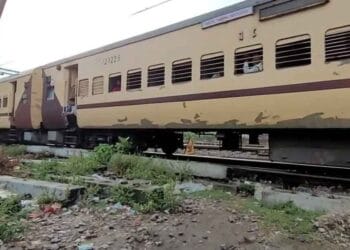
(86, 247)
(52, 208)
(118, 207)
(191, 187)
(27, 203)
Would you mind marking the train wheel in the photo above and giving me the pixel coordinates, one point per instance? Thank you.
(170, 142)
(169, 149)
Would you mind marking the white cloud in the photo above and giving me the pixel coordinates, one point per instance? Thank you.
(36, 32)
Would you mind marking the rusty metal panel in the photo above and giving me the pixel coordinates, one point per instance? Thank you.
(283, 7)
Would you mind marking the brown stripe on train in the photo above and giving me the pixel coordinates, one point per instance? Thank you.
(281, 89)
(5, 114)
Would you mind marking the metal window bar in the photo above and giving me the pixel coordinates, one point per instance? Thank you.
(134, 80)
(305, 41)
(336, 35)
(212, 67)
(339, 39)
(182, 72)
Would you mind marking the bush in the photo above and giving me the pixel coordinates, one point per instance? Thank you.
(124, 146)
(135, 167)
(161, 199)
(103, 153)
(14, 150)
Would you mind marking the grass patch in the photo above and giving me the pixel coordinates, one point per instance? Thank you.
(74, 166)
(213, 194)
(286, 217)
(14, 150)
(10, 215)
(135, 167)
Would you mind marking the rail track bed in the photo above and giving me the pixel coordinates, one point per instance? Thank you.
(288, 173)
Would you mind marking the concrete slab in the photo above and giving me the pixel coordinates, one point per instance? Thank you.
(198, 169)
(62, 192)
(58, 152)
(302, 200)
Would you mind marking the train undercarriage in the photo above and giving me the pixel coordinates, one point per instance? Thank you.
(319, 147)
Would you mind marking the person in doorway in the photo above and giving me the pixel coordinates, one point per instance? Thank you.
(70, 113)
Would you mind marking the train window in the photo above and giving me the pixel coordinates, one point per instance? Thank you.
(156, 75)
(134, 79)
(97, 85)
(5, 102)
(25, 97)
(182, 71)
(212, 66)
(249, 59)
(115, 83)
(0, 103)
(338, 44)
(83, 89)
(50, 88)
(292, 52)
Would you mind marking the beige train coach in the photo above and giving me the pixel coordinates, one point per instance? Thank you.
(280, 67)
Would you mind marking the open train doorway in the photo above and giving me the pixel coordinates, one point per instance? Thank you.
(70, 98)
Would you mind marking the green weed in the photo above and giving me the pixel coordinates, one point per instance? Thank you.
(10, 214)
(135, 167)
(286, 217)
(213, 194)
(14, 150)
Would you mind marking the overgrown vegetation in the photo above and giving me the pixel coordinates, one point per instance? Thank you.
(46, 198)
(160, 199)
(134, 167)
(13, 150)
(286, 216)
(10, 215)
(74, 166)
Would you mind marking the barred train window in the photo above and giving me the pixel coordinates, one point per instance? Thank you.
(212, 66)
(249, 59)
(156, 75)
(97, 85)
(292, 52)
(115, 82)
(134, 79)
(83, 89)
(5, 102)
(181, 71)
(338, 44)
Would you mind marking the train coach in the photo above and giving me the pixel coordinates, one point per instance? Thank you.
(280, 67)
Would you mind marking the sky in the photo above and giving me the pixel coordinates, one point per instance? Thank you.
(36, 32)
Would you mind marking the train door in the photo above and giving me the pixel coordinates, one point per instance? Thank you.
(71, 102)
(72, 83)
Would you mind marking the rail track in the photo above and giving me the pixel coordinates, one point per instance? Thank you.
(288, 173)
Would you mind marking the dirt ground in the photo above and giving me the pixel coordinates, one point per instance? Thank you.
(203, 224)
